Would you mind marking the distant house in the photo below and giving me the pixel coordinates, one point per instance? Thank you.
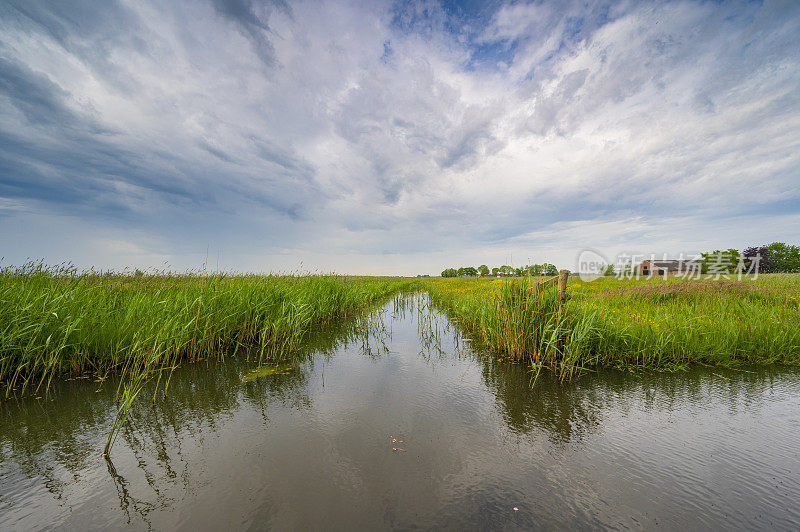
(665, 268)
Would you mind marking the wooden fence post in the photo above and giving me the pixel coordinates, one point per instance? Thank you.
(563, 275)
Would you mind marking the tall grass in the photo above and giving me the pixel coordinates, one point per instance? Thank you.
(53, 323)
(507, 317)
(672, 323)
(627, 323)
(58, 321)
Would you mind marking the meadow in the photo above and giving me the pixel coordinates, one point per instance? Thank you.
(55, 323)
(627, 323)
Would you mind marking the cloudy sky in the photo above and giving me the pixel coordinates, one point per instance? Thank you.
(394, 137)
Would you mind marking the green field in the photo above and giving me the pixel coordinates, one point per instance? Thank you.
(656, 323)
(54, 324)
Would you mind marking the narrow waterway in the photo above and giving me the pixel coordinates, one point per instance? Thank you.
(392, 421)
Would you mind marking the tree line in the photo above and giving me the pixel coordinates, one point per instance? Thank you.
(777, 257)
(501, 271)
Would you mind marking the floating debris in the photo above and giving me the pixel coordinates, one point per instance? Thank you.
(396, 449)
(265, 371)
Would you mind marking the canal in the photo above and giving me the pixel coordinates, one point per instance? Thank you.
(394, 421)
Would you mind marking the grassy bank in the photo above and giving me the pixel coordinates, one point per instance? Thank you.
(625, 323)
(52, 323)
(61, 323)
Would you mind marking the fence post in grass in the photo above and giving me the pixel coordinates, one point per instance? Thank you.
(563, 275)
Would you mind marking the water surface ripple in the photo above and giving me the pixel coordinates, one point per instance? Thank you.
(393, 422)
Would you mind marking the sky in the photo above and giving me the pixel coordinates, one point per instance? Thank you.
(386, 137)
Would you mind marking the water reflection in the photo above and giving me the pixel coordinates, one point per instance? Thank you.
(311, 448)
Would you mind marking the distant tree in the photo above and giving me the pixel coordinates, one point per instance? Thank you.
(608, 271)
(720, 262)
(450, 272)
(506, 270)
(483, 270)
(784, 258)
(468, 271)
(495, 271)
(756, 260)
(550, 269)
(535, 269)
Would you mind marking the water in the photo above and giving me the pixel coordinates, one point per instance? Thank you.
(476, 446)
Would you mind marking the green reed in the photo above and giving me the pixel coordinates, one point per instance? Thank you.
(53, 323)
(631, 323)
(57, 322)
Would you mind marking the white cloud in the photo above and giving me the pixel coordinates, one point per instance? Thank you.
(334, 129)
